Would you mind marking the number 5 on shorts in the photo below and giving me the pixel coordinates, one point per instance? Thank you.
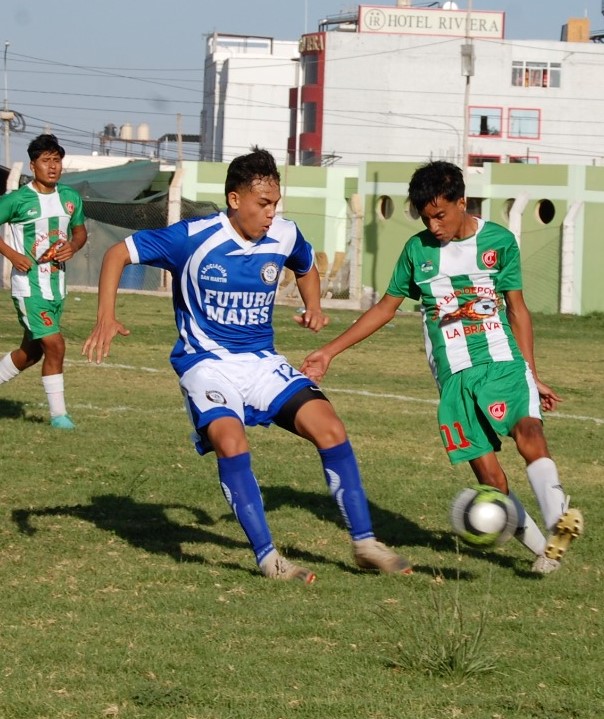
(48, 322)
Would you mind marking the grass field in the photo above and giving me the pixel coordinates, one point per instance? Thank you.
(127, 589)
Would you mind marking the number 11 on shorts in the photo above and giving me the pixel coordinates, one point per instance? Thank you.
(451, 435)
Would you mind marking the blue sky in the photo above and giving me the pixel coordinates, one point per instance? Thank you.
(75, 66)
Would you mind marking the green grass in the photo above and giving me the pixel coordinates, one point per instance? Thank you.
(128, 590)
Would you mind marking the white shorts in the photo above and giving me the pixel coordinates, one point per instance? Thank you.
(251, 388)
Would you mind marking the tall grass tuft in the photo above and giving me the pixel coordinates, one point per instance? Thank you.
(440, 639)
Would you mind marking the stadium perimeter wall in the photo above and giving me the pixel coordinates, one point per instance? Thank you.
(550, 194)
(362, 213)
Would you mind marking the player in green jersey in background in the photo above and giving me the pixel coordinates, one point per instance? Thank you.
(45, 228)
(479, 340)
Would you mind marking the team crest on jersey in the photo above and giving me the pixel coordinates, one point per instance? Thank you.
(70, 207)
(427, 266)
(270, 273)
(31, 212)
(497, 410)
(489, 258)
(216, 397)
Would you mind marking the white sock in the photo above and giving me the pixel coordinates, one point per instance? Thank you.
(55, 392)
(531, 536)
(528, 533)
(543, 477)
(7, 369)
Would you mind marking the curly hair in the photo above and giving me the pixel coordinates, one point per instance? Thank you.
(44, 143)
(246, 169)
(433, 180)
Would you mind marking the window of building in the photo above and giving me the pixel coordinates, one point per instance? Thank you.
(410, 211)
(309, 113)
(536, 74)
(523, 122)
(309, 157)
(293, 121)
(523, 159)
(311, 68)
(385, 207)
(546, 211)
(485, 121)
(480, 160)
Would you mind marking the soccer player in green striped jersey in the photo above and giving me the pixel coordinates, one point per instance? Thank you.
(479, 341)
(45, 223)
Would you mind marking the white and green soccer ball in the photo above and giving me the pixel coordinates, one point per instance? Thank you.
(482, 516)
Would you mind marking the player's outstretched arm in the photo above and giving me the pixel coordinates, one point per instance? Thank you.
(315, 364)
(98, 343)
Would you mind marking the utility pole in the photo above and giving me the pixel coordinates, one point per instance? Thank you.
(467, 71)
(6, 115)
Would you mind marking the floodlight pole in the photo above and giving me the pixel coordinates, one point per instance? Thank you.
(467, 71)
(6, 115)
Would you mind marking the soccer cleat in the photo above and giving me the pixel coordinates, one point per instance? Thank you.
(568, 527)
(63, 421)
(274, 566)
(545, 565)
(371, 554)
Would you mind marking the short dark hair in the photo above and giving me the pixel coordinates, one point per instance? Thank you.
(245, 169)
(44, 143)
(433, 180)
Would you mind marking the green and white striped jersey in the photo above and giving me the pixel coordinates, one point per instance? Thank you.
(460, 285)
(37, 221)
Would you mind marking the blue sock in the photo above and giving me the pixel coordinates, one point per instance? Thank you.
(345, 485)
(242, 492)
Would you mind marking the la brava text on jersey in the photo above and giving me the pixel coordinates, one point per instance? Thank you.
(452, 332)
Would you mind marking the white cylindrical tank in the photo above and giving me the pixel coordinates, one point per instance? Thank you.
(142, 132)
(126, 131)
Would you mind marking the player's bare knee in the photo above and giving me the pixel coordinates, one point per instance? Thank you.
(53, 347)
(530, 438)
(226, 437)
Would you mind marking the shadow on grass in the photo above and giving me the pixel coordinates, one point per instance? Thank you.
(141, 524)
(11, 409)
(146, 526)
(392, 528)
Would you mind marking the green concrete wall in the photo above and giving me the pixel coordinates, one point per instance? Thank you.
(497, 186)
(540, 253)
(594, 178)
(591, 289)
(515, 174)
(313, 197)
(317, 198)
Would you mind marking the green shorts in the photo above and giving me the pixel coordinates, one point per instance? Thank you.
(39, 317)
(481, 403)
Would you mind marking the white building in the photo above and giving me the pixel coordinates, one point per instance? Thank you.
(247, 82)
(408, 84)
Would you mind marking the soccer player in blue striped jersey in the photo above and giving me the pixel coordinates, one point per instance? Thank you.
(479, 342)
(225, 270)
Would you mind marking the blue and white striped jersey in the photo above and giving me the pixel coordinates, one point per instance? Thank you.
(224, 287)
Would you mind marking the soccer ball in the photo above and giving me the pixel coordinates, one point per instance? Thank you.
(482, 516)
